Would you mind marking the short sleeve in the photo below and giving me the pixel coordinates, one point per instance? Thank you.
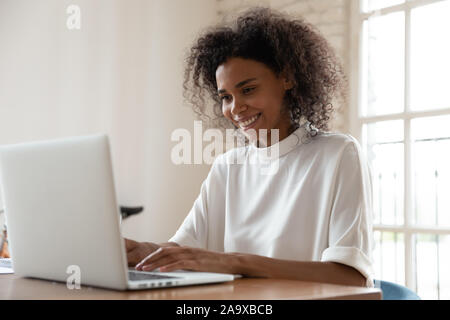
(195, 229)
(350, 229)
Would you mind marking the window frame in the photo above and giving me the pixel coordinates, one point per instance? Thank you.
(357, 121)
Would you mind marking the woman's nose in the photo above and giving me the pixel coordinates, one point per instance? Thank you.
(238, 106)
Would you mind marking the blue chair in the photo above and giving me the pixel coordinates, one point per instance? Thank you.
(393, 291)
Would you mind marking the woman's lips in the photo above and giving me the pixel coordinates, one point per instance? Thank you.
(252, 124)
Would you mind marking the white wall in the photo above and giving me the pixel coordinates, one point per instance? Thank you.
(120, 74)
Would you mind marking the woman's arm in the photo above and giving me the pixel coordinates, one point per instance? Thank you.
(170, 258)
(328, 272)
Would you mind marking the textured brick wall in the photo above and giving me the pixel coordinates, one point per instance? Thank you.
(331, 17)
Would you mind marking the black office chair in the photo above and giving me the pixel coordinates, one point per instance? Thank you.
(126, 212)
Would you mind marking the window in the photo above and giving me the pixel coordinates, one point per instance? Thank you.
(400, 66)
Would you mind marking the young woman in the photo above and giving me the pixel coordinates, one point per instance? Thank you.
(311, 219)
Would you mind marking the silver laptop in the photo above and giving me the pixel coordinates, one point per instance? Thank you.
(63, 219)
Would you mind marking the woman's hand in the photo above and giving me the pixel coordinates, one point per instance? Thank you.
(136, 251)
(174, 258)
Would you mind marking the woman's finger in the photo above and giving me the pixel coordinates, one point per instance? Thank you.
(130, 244)
(148, 258)
(133, 257)
(180, 265)
(159, 254)
(159, 263)
(163, 261)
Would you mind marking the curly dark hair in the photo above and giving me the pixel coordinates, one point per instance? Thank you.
(286, 45)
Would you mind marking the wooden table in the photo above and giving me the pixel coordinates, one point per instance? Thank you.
(14, 287)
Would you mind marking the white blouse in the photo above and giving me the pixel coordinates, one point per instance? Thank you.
(310, 201)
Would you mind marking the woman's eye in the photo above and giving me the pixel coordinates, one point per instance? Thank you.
(247, 90)
(224, 98)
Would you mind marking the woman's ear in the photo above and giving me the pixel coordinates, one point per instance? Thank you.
(288, 84)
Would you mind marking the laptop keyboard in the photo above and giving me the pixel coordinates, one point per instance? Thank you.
(137, 276)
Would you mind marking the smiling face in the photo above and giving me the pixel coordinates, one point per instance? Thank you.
(252, 97)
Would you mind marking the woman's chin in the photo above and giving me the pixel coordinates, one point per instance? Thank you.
(251, 133)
